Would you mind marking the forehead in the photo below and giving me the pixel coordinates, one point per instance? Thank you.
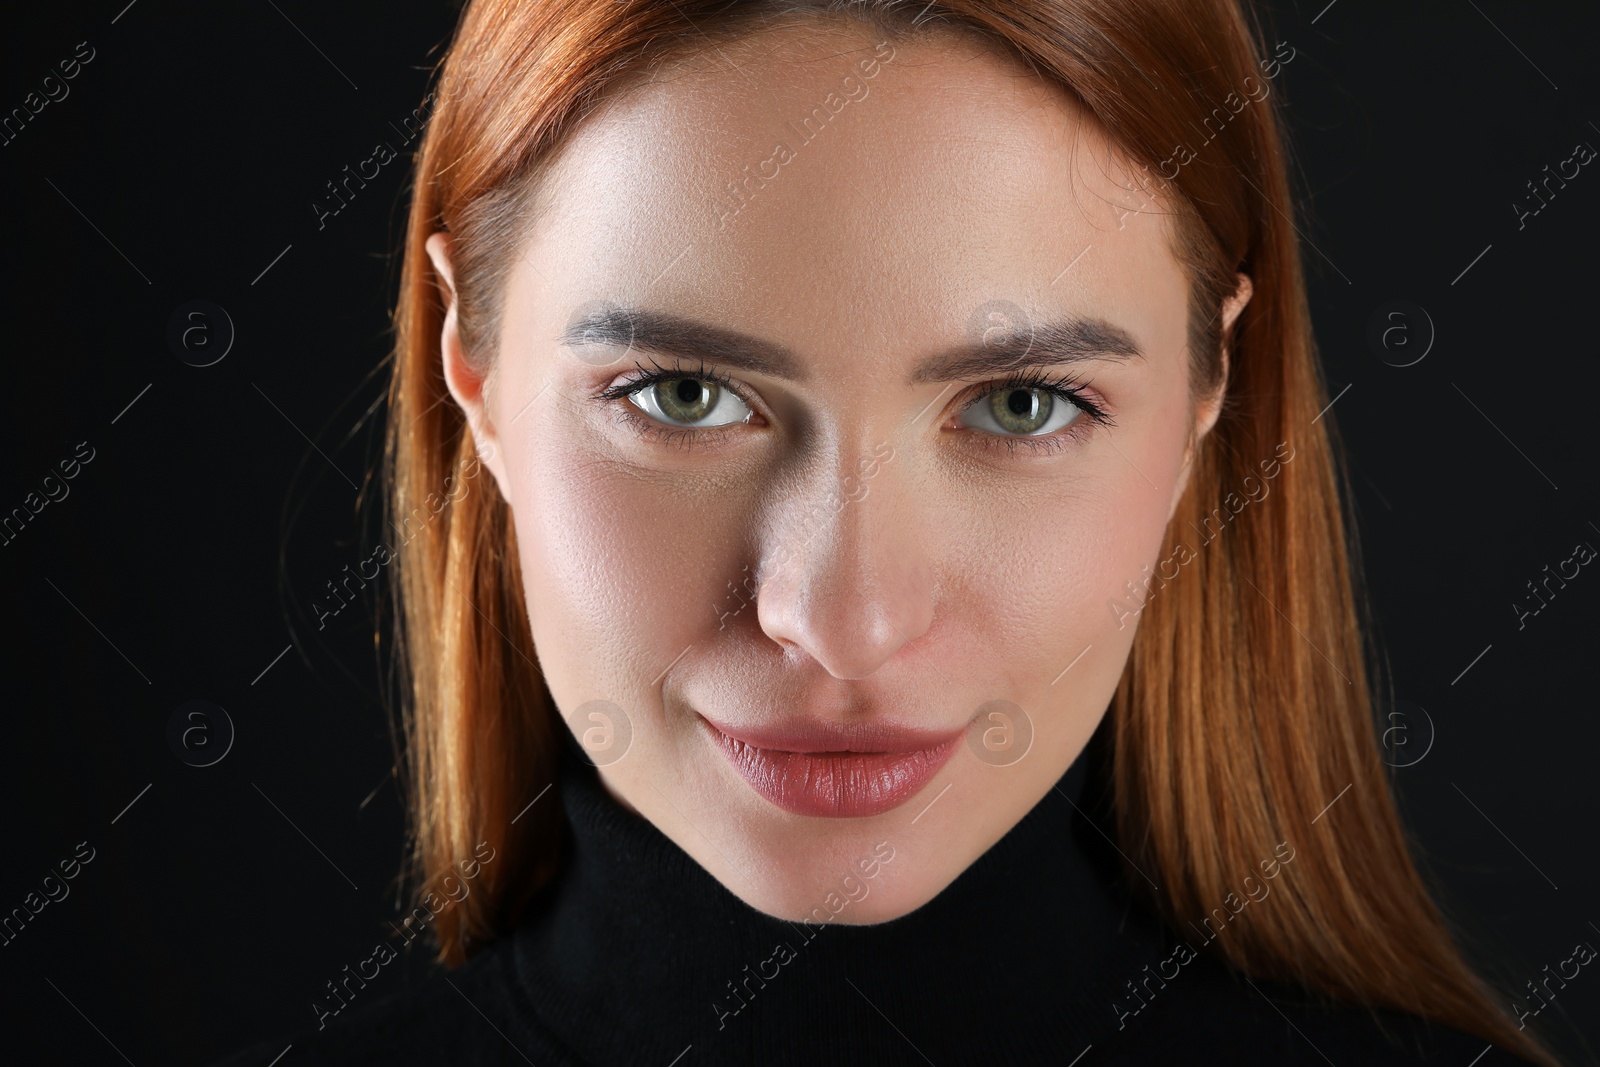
(814, 184)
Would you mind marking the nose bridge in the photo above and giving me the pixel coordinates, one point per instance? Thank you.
(849, 582)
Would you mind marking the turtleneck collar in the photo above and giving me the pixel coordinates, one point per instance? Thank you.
(636, 952)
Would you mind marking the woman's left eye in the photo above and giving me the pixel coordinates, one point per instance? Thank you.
(1020, 412)
(684, 401)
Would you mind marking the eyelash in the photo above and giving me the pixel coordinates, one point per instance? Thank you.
(1062, 386)
(652, 430)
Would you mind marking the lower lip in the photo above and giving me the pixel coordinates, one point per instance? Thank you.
(835, 785)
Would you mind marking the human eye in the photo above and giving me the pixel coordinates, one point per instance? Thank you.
(677, 405)
(1033, 410)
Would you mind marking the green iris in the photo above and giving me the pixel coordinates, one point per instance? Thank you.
(686, 399)
(1021, 411)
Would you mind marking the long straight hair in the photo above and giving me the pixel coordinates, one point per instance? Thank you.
(1244, 710)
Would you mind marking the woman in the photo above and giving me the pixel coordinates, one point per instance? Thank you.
(908, 617)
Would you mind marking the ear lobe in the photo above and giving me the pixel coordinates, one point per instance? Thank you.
(468, 386)
(1208, 409)
(1235, 303)
(1182, 483)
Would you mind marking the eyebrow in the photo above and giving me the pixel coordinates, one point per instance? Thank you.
(1064, 341)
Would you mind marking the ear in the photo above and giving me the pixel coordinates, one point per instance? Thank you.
(467, 385)
(1209, 408)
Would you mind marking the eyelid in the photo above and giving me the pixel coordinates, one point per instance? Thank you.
(618, 404)
(657, 371)
(1065, 385)
(685, 437)
(1093, 411)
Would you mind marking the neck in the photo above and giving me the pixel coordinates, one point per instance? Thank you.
(636, 952)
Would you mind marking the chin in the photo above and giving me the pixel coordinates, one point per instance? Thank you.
(824, 897)
(854, 872)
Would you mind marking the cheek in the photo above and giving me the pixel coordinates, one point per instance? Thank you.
(1041, 572)
(622, 572)
(625, 569)
(1152, 460)
(1034, 590)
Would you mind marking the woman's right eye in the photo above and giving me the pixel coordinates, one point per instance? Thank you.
(696, 402)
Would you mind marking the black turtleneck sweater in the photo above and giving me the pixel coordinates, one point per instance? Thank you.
(1034, 954)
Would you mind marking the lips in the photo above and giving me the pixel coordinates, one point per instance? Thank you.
(837, 772)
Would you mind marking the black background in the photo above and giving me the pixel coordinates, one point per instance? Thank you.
(185, 162)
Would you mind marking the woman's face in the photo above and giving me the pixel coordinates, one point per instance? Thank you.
(829, 590)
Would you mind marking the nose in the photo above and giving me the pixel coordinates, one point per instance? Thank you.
(847, 576)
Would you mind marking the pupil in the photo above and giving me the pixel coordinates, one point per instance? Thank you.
(688, 390)
(1020, 402)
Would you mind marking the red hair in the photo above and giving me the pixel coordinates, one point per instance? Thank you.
(1244, 708)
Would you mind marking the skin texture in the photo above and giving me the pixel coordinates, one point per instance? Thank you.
(961, 571)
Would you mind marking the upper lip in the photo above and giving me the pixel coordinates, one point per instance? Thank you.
(811, 737)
